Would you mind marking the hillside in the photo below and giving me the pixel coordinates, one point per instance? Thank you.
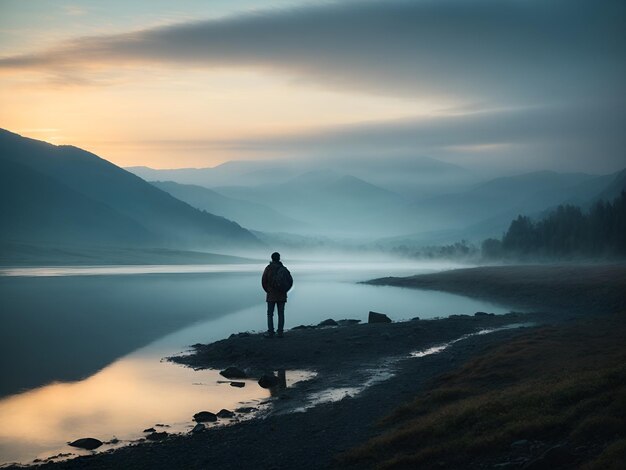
(157, 217)
(331, 203)
(249, 214)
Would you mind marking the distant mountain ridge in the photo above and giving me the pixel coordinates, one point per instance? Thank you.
(408, 176)
(251, 215)
(48, 178)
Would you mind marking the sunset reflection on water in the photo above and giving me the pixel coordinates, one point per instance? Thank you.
(132, 394)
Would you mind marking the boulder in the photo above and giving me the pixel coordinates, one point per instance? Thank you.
(198, 428)
(204, 417)
(329, 322)
(157, 436)
(375, 317)
(347, 322)
(268, 381)
(484, 314)
(223, 413)
(238, 384)
(88, 443)
(149, 430)
(233, 373)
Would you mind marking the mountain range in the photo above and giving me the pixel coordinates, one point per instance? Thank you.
(331, 203)
(63, 194)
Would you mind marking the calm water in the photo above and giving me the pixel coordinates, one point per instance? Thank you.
(81, 348)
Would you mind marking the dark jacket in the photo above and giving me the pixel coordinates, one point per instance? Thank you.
(273, 295)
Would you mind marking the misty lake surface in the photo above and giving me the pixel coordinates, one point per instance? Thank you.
(82, 347)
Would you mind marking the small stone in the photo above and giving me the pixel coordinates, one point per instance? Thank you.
(375, 317)
(88, 443)
(484, 314)
(243, 334)
(233, 373)
(204, 417)
(157, 436)
(198, 428)
(268, 381)
(238, 384)
(328, 322)
(223, 413)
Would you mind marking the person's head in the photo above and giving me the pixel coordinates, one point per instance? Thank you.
(276, 256)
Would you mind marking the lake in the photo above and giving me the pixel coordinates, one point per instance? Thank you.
(82, 347)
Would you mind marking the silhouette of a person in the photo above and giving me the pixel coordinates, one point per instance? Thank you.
(276, 281)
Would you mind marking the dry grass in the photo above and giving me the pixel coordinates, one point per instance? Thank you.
(549, 386)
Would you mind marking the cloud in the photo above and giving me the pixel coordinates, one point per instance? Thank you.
(575, 137)
(497, 51)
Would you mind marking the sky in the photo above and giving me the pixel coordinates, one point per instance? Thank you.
(504, 85)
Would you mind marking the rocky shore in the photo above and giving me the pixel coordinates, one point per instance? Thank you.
(363, 371)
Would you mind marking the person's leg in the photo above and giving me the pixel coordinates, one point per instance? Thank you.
(281, 317)
(270, 317)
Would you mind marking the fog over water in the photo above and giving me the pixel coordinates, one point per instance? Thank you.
(74, 332)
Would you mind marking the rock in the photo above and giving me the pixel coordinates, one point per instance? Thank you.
(375, 317)
(223, 413)
(88, 443)
(484, 314)
(303, 327)
(246, 409)
(238, 384)
(149, 430)
(157, 436)
(204, 417)
(348, 322)
(198, 428)
(415, 319)
(328, 322)
(268, 381)
(233, 373)
(162, 425)
(243, 334)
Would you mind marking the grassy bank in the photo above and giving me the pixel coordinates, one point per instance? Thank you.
(565, 288)
(552, 398)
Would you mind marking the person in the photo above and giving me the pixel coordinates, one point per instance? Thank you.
(276, 281)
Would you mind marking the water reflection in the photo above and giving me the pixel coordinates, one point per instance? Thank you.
(119, 402)
(63, 325)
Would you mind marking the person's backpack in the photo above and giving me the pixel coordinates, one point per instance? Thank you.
(282, 280)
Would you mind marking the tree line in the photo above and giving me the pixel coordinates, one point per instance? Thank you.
(567, 232)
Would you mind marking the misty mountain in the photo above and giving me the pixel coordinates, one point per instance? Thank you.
(503, 198)
(331, 203)
(408, 176)
(38, 208)
(233, 173)
(249, 214)
(615, 187)
(487, 209)
(132, 208)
